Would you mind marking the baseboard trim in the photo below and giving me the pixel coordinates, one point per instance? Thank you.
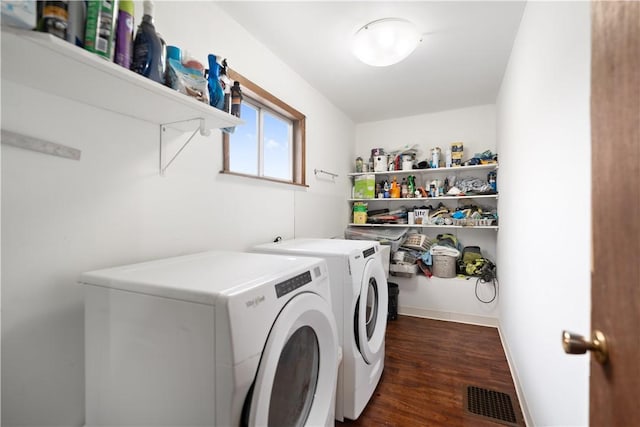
(449, 316)
(516, 380)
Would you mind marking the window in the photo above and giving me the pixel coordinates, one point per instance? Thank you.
(270, 144)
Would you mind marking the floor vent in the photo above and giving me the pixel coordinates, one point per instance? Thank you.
(491, 404)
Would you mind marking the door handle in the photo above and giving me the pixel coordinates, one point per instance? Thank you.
(577, 344)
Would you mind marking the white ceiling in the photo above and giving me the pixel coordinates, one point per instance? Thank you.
(459, 63)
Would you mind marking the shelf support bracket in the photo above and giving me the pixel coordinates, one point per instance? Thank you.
(163, 128)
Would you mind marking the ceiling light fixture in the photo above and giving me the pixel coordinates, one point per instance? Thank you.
(385, 41)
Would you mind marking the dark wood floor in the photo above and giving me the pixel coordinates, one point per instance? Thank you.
(428, 366)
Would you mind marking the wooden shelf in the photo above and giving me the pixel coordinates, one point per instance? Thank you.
(52, 65)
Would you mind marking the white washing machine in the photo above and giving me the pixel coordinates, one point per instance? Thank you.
(211, 339)
(359, 299)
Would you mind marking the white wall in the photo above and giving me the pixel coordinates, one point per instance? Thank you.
(543, 263)
(450, 299)
(475, 126)
(62, 217)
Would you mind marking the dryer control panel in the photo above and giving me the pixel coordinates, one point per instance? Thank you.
(293, 283)
(369, 252)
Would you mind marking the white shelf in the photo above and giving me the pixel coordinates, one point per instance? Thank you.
(468, 227)
(423, 171)
(409, 200)
(52, 65)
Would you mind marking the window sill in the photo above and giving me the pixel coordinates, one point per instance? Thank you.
(263, 178)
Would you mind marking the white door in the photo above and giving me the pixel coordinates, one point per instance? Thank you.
(371, 311)
(296, 379)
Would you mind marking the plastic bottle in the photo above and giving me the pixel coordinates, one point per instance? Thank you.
(412, 185)
(100, 28)
(435, 157)
(77, 11)
(236, 99)
(124, 34)
(226, 83)
(492, 178)
(147, 48)
(216, 95)
(54, 19)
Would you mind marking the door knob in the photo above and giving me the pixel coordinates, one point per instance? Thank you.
(577, 344)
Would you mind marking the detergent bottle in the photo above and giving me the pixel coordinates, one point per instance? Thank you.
(148, 54)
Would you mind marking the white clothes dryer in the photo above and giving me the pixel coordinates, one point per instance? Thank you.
(211, 339)
(359, 299)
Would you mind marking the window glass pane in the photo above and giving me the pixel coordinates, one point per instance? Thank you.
(294, 385)
(277, 147)
(243, 143)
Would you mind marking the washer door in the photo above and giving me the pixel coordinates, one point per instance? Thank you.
(371, 311)
(296, 379)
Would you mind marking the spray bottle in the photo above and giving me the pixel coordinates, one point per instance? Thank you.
(124, 34)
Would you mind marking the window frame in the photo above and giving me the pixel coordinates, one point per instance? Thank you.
(273, 105)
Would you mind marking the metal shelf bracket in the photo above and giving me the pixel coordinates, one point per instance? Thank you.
(163, 128)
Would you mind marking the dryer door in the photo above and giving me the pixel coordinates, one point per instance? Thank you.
(296, 379)
(371, 311)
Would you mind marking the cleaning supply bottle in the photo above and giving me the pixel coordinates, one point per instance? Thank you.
(124, 34)
(236, 99)
(226, 83)
(147, 48)
(216, 95)
(77, 22)
(100, 27)
(54, 20)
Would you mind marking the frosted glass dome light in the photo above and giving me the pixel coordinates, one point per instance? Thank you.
(385, 41)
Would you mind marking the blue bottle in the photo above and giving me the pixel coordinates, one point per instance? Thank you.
(148, 55)
(216, 94)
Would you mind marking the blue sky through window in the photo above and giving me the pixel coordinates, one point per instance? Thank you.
(243, 145)
(276, 142)
(277, 148)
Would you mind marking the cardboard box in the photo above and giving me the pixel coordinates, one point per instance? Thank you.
(364, 187)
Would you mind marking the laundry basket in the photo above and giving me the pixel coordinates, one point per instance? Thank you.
(444, 266)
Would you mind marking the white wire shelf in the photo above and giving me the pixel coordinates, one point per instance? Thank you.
(467, 227)
(490, 166)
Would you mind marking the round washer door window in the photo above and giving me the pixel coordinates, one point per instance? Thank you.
(371, 314)
(296, 379)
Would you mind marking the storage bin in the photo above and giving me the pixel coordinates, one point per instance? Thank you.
(444, 266)
(390, 236)
(403, 270)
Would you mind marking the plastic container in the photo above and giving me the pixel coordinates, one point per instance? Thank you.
(124, 34)
(392, 313)
(148, 55)
(391, 236)
(100, 28)
(20, 13)
(444, 266)
(174, 52)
